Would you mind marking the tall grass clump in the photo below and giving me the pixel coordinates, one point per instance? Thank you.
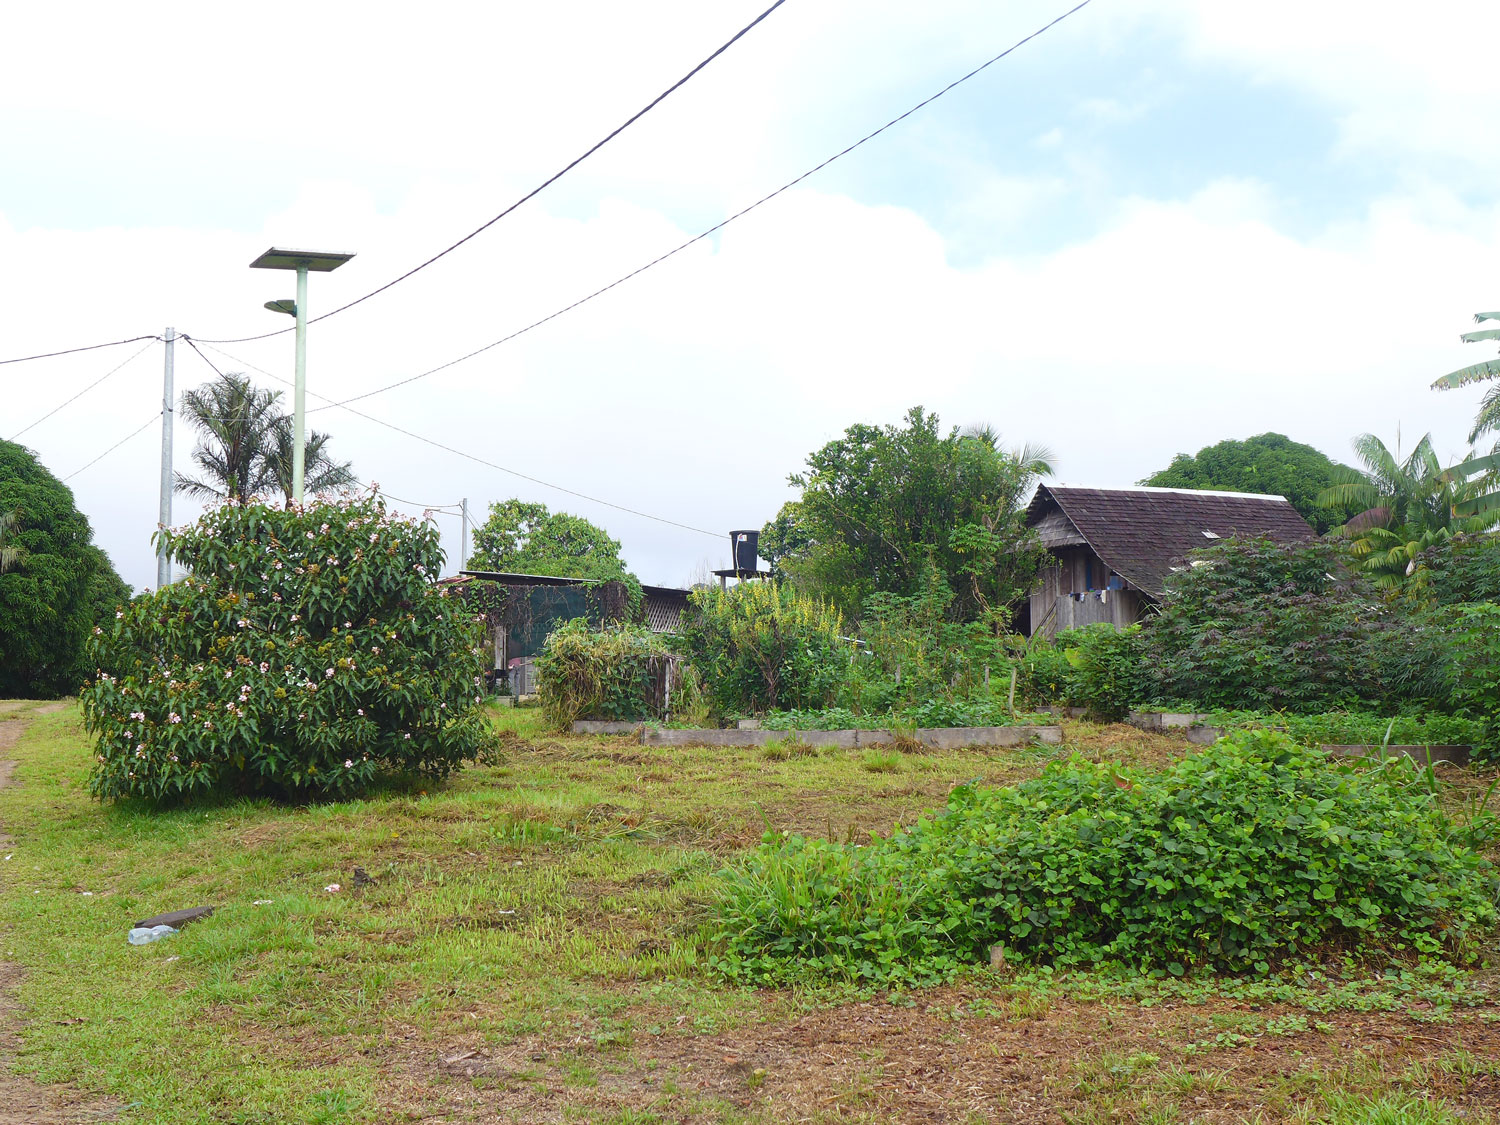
(1247, 853)
(623, 673)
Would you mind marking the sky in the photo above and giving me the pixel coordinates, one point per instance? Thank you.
(1159, 225)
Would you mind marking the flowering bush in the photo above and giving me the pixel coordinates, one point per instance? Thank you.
(307, 651)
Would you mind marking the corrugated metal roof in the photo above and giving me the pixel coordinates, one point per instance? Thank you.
(1142, 533)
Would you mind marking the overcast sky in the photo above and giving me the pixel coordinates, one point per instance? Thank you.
(1159, 225)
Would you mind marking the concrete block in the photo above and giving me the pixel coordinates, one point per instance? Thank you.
(603, 726)
(1204, 736)
(748, 724)
(1169, 719)
(1451, 754)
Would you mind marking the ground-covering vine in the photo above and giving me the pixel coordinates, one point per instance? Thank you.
(1236, 858)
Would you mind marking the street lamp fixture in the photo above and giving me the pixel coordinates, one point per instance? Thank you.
(302, 261)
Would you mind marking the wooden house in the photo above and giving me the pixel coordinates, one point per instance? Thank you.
(1115, 546)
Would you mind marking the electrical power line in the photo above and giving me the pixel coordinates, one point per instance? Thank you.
(71, 351)
(192, 343)
(156, 417)
(80, 394)
(716, 227)
(534, 191)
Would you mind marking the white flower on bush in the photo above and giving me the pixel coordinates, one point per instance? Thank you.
(173, 717)
(118, 615)
(348, 763)
(328, 674)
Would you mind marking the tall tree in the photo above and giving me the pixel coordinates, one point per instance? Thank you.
(65, 585)
(1267, 463)
(1403, 506)
(526, 538)
(880, 506)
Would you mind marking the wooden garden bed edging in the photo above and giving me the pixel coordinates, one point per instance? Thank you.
(940, 738)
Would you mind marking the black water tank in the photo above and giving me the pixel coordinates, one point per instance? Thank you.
(742, 550)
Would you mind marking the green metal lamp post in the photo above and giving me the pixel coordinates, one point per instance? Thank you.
(302, 261)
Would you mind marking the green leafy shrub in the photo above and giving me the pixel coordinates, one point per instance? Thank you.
(1249, 852)
(1105, 672)
(1474, 668)
(1357, 727)
(761, 645)
(1463, 569)
(623, 673)
(1258, 625)
(308, 651)
(935, 713)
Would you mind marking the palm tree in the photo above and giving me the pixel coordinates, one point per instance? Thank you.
(236, 420)
(320, 473)
(10, 554)
(1406, 506)
(246, 446)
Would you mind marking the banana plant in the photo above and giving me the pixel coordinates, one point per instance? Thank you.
(1482, 471)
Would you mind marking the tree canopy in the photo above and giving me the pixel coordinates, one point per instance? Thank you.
(879, 505)
(1267, 463)
(58, 586)
(527, 538)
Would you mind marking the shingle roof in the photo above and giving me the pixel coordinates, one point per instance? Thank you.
(1142, 533)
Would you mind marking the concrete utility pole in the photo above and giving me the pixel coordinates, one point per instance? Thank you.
(463, 543)
(163, 560)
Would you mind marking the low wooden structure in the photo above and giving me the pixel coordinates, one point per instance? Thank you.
(1115, 546)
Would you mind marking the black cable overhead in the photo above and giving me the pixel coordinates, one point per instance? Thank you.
(741, 33)
(447, 448)
(713, 229)
(71, 351)
(154, 418)
(80, 394)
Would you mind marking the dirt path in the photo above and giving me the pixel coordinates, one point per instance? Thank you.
(22, 1101)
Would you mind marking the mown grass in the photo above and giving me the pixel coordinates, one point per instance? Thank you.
(541, 913)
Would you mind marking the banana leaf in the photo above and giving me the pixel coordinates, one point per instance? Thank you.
(1486, 316)
(1480, 505)
(1489, 369)
(1484, 334)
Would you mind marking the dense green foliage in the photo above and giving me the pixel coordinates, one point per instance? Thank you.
(620, 673)
(762, 645)
(246, 442)
(1246, 854)
(58, 586)
(1263, 626)
(308, 651)
(1357, 727)
(1474, 667)
(1268, 463)
(881, 505)
(1463, 568)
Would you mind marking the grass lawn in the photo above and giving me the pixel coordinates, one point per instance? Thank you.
(528, 950)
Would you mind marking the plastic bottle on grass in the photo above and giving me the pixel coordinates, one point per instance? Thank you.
(140, 936)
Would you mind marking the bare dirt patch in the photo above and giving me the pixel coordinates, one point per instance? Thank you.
(23, 1102)
(940, 1062)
